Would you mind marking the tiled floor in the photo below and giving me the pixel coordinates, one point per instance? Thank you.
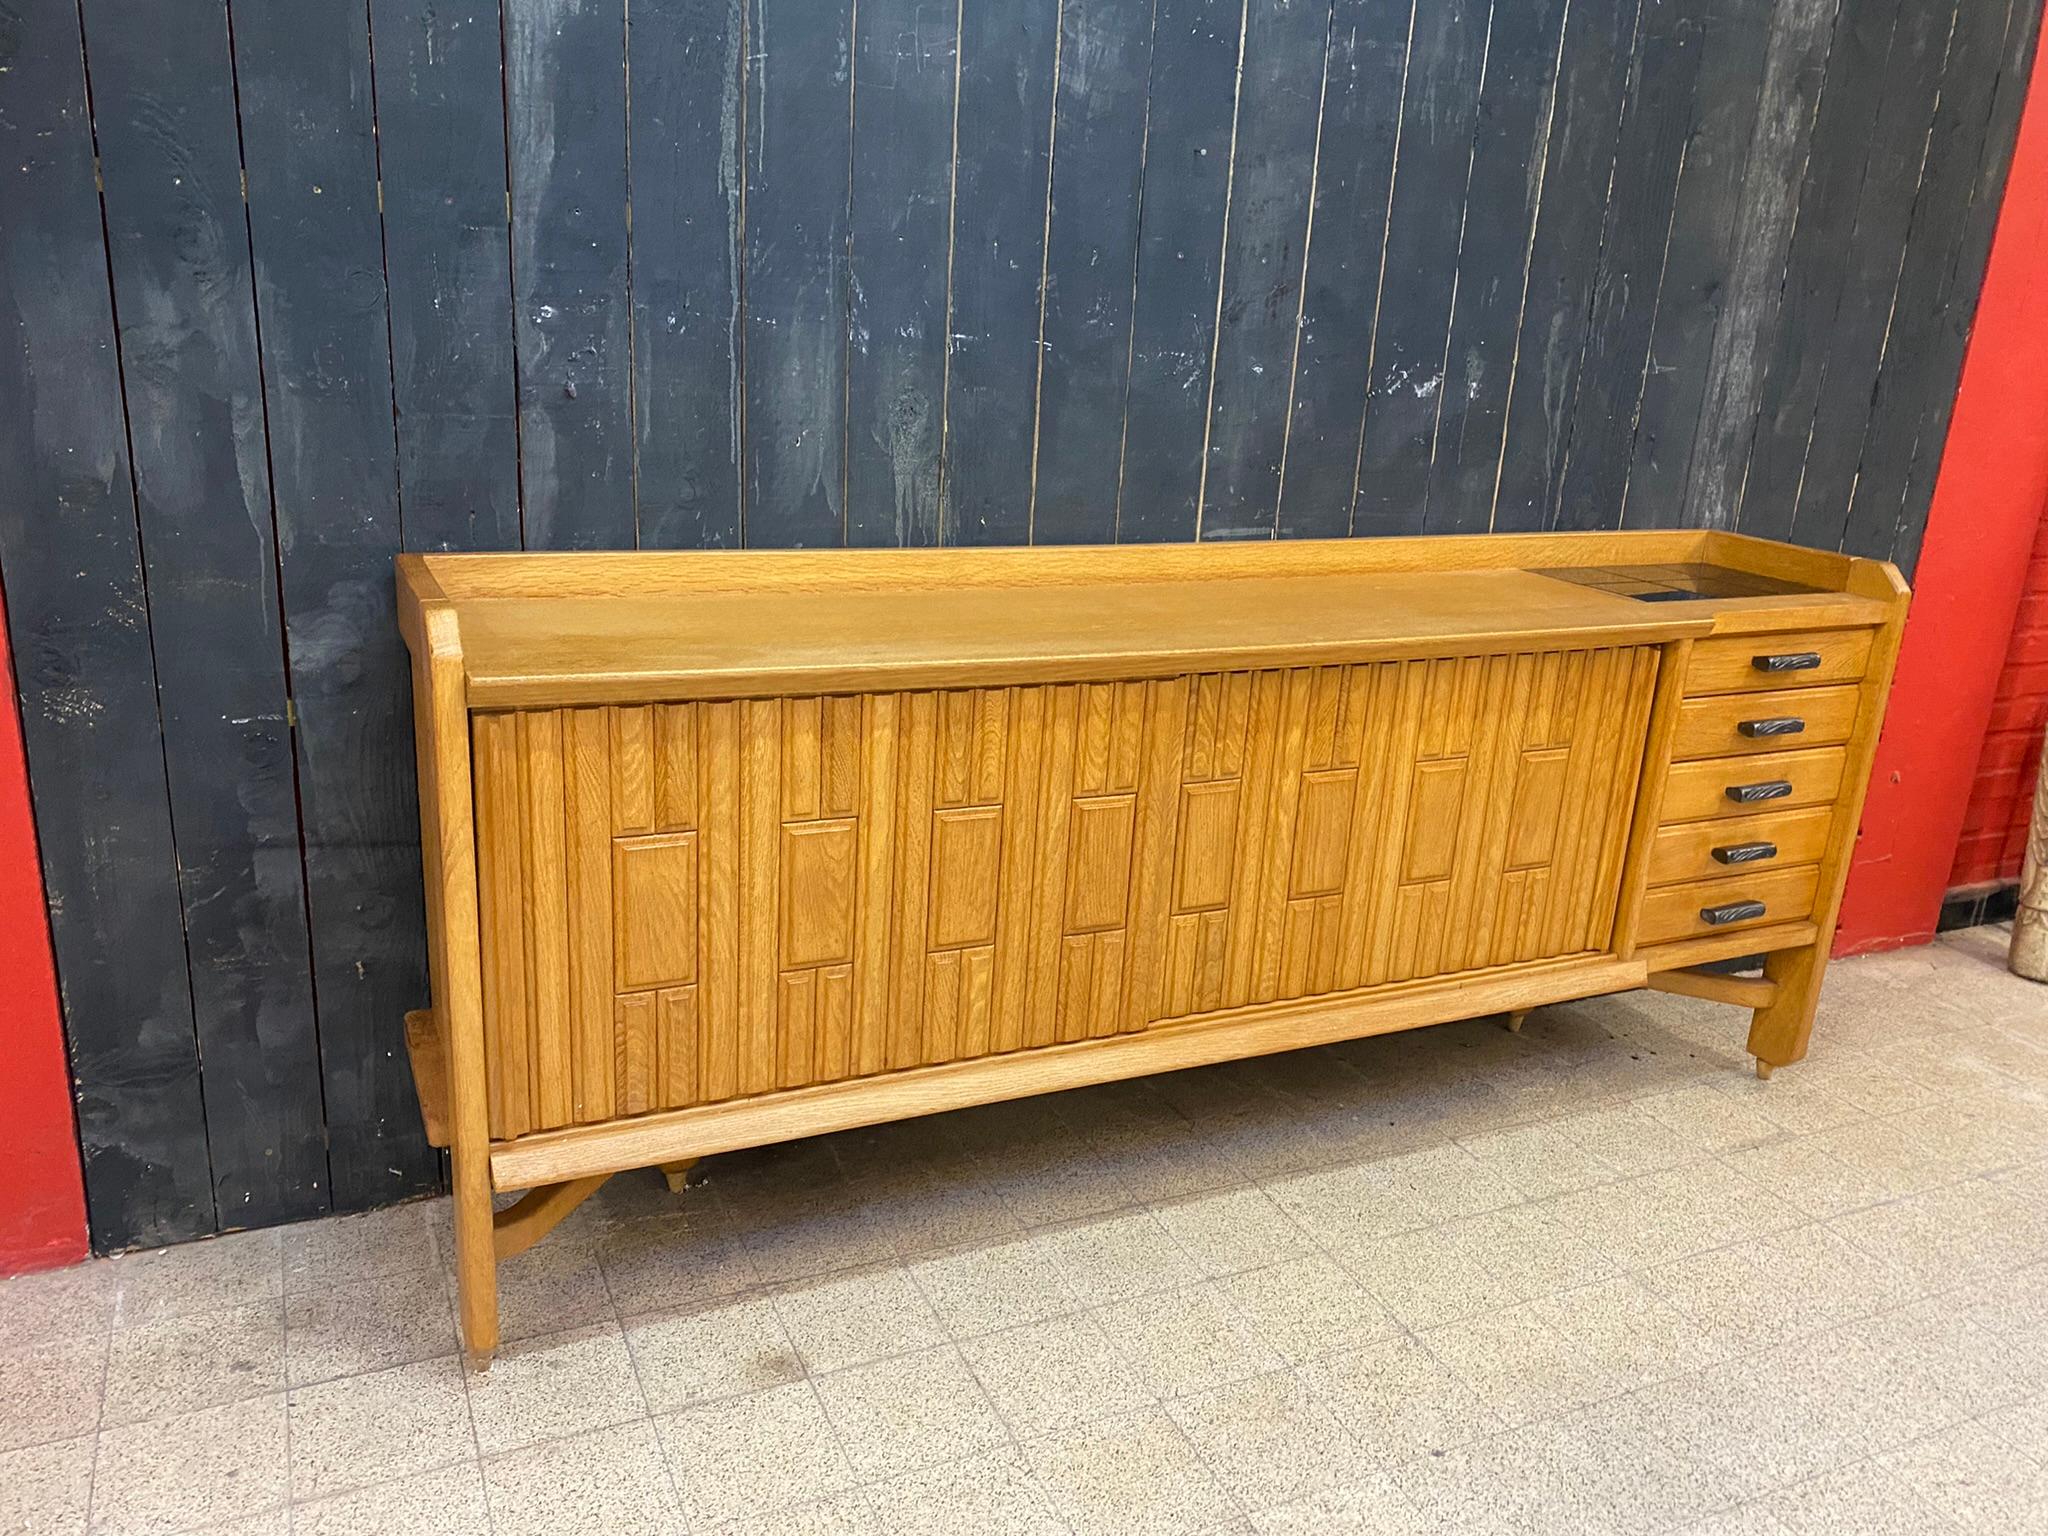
(1590, 1278)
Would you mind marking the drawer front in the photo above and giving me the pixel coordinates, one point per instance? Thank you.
(1727, 787)
(1745, 663)
(1781, 720)
(687, 903)
(1703, 850)
(1734, 902)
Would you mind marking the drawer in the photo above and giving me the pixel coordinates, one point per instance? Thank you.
(1687, 850)
(1743, 901)
(1740, 663)
(1769, 781)
(1782, 720)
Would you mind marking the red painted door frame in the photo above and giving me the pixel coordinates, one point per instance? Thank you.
(1987, 505)
(42, 1190)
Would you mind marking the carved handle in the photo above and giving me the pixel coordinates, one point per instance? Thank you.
(1766, 789)
(1744, 853)
(1787, 661)
(1731, 912)
(1776, 725)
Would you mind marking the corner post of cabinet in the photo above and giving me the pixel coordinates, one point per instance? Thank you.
(1779, 1033)
(1654, 769)
(454, 949)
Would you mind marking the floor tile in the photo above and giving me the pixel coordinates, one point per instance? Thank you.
(1106, 1260)
(58, 1303)
(993, 1494)
(348, 1249)
(367, 1325)
(195, 1360)
(1399, 1400)
(368, 1429)
(1268, 1440)
(542, 1389)
(845, 1319)
(447, 1501)
(1188, 1340)
(605, 1482)
(52, 1390)
(1233, 1230)
(680, 1260)
(1055, 1373)
(234, 1270)
(1964, 1474)
(176, 1473)
(751, 1457)
(910, 1411)
(726, 1348)
(1306, 1308)
(843, 1514)
(1540, 1159)
(553, 1287)
(984, 1290)
(1623, 1327)
(1128, 1477)
(45, 1489)
(1519, 1367)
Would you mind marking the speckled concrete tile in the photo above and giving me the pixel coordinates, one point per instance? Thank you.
(1519, 1367)
(725, 1348)
(606, 1482)
(1399, 1400)
(1054, 1373)
(678, 1260)
(542, 1389)
(1307, 1308)
(229, 1271)
(195, 1361)
(1368, 1504)
(60, 1303)
(993, 1494)
(1137, 1476)
(910, 1411)
(553, 1287)
(52, 1390)
(1622, 1326)
(347, 1249)
(984, 1290)
(1228, 1231)
(447, 1501)
(45, 1489)
(366, 1429)
(755, 1456)
(367, 1325)
(1114, 1257)
(1973, 1479)
(844, 1319)
(1188, 1340)
(174, 1474)
(843, 1514)
(1268, 1440)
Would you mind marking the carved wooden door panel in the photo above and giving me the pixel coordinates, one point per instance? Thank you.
(691, 902)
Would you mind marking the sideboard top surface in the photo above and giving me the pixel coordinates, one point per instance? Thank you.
(563, 629)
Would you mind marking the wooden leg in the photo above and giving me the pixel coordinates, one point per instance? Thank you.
(1778, 1033)
(1764, 1069)
(1515, 1020)
(476, 1261)
(677, 1172)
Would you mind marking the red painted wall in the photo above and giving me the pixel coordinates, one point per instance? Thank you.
(1994, 839)
(42, 1193)
(1973, 566)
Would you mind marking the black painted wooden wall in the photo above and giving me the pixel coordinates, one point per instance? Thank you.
(428, 274)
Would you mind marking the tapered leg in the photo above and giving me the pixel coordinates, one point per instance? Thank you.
(1515, 1020)
(1778, 1033)
(677, 1172)
(476, 1262)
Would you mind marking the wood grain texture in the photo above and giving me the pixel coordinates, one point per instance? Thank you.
(84, 671)
(164, 109)
(565, 118)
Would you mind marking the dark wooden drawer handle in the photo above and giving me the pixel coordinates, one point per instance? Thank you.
(1776, 725)
(1744, 853)
(1731, 912)
(1767, 789)
(1787, 661)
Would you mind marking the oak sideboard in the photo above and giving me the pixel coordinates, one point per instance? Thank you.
(731, 848)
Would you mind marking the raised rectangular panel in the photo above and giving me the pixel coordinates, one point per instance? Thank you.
(654, 910)
(1208, 834)
(1434, 812)
(1538, 802)
(1099, 863)
(818, 869)
(1322, 832)
(967, 848)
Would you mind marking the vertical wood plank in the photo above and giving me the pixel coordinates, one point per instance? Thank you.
(310, 153)
(1091, 223)
(565, 110)
(1279, 104)
(84, 670)
(1361, 118)
(905, 76)
(588, 817)
(501, 920)
(1439, 106)
(447, 264)
(1189, 111)
(1002, 162)
(875, 908)
(164, 108)
(686, 67)
(542, 839)
(760, 838)
(798, 144)
(719, 907)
